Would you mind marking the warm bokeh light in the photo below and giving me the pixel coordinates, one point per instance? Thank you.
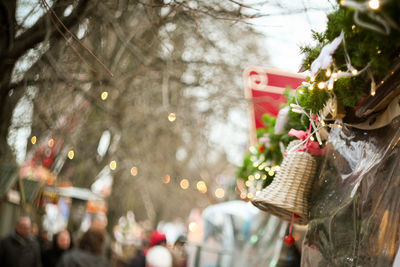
(374, 4)
(33, 140)
(172, 117)
(250, 195)
(51, 142)
(104, 95)
(248, 183)
(202, 187)
(71, 154)
(220, 193)
(167, 179)
(242, 195)
(134, 171)
(113, 165)
(184, 184)
(192, 226)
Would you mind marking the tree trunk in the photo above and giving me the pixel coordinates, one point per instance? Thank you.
(7, 33)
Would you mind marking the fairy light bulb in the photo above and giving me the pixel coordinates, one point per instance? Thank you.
(172, 117)
(310, 87)
(374, 4)
(321, 85)
(328, 73)
(330, 86)
(113, 165)
(71, 154)
(104, 95)
(312, 79)
(373, 88)
(334, 75)
(354, 72)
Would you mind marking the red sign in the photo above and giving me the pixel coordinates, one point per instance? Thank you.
(264, 88)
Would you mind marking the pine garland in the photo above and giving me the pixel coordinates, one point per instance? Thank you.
(364, 47)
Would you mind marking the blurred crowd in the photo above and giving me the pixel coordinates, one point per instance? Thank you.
(27, 246)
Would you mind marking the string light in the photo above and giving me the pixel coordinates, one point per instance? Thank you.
(104, 95)
(321, 85)
(220, 193)
(250, 195)
(328, 73)
(113, 165)
(184, 184)
(172, 117)
(167, 179)
(33, 140)
(134, 171)
(251, 177)
(312, 79)
(202, 187)
(242, 195)
(311, 87)
(354, 71)
(71, 154)
(248, 183)
(373, 88)
(374, 4)
(51, 142)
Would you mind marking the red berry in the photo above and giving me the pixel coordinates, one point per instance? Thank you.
(261, 148)
(289, 240)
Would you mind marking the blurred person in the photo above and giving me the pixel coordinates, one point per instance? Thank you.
(89, 252)
(99, 223)
(156, 239)
(61, 244)
(20, 248)
(35, 230)
(44, 241)
(179, 254)
(157, 255)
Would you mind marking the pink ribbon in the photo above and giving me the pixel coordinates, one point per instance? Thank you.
(311, 147)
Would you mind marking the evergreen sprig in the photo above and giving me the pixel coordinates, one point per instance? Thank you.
(364, 47)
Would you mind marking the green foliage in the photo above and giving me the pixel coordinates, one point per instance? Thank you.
(364, 47)
(260, 160)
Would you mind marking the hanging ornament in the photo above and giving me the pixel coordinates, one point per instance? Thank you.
(289, 239)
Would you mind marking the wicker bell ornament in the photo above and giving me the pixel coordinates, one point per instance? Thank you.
(290, 191)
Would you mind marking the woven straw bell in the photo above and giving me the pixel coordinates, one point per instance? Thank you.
(290, 191)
